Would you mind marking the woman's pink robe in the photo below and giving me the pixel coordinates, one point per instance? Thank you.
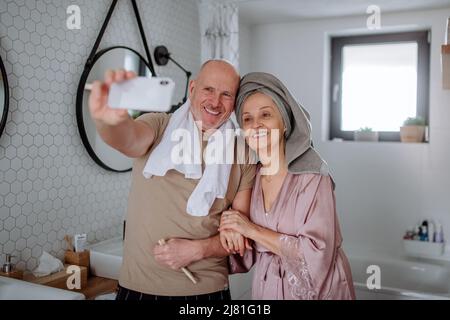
(312, 264)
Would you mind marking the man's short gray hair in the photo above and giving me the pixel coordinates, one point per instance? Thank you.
(220, 60)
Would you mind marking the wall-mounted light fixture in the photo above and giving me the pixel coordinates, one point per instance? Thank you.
(162, 57)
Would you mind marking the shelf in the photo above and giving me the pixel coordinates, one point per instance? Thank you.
(91, 287)
(97, 286)
(423, 249)
(58, 279)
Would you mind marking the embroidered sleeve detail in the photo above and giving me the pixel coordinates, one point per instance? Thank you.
(299, 279)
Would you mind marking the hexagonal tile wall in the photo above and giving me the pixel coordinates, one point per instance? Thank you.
(49, 186)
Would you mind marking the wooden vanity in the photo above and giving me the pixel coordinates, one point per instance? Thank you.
(97, 286)
(91, 287)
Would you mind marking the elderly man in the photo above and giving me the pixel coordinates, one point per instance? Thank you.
(168, 202)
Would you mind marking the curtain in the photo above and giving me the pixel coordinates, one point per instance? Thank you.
(219, 27)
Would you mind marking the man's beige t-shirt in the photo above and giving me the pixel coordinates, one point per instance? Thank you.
(157, 210)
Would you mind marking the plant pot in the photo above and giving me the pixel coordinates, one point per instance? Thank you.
(365, 136)
(412, 133)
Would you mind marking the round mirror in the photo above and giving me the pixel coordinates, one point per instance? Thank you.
(4, 96)
(111, 58)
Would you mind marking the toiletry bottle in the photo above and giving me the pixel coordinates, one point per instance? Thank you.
(424, 236)
(439, 233)
(416, 233)
(407, 235)
(431, 231)
(8, 269)
(424, 231)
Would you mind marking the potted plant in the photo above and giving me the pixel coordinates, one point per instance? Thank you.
(366, 134)
(413, 130)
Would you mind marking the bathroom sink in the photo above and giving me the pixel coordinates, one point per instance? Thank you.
(13, 289)
(106, 258)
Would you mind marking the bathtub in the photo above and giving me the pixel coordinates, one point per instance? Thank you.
(400, 279)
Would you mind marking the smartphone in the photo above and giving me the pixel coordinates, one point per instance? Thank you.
(143, 94)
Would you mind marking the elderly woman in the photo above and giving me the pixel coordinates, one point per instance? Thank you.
(293, 222)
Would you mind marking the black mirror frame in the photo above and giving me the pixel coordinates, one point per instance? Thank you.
(93, 57)
(79, 105)
(4, 115)
(163, 57)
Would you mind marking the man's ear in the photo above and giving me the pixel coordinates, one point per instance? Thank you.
(191, 87)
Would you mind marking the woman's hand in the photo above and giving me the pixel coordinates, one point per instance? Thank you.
(234, 242)
(236, 221)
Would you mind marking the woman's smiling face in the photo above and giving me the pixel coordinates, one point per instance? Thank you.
(262, 123)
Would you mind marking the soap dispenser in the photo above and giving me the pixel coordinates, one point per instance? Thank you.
(7, 266)
(8, 269)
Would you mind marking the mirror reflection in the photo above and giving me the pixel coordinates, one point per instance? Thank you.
(111, 58)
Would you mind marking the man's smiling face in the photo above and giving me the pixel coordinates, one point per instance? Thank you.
(213, 94)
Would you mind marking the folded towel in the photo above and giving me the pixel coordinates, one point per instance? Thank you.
(180, 149)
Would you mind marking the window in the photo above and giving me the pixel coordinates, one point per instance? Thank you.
(378, 81)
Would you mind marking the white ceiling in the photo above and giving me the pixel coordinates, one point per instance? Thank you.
(271, 11)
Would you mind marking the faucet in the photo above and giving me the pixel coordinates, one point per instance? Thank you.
(8, 266)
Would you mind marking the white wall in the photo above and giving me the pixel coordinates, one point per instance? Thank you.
(244, 48)
(382, 188)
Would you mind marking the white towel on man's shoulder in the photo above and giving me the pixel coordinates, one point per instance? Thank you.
(180, 149)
